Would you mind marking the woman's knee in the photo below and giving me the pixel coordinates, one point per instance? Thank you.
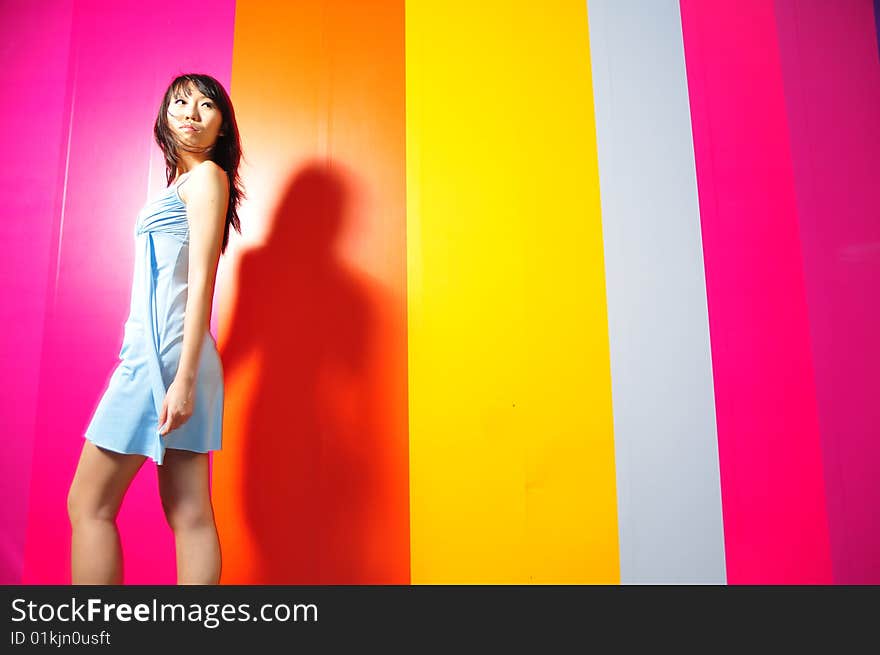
(84, 506)
(190, 514)
(99, 483)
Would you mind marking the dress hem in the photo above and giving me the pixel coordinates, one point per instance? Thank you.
(148, 455)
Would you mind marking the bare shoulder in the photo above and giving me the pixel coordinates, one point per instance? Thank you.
(208, 184)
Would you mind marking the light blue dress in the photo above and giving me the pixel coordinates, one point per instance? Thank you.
(126, 419)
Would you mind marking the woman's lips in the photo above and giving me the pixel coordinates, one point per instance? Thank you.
(189, 128)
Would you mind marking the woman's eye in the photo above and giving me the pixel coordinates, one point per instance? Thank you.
(204, 104)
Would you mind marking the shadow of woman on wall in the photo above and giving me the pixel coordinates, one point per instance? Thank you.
(306, 428)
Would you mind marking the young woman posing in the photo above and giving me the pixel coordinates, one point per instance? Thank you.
(165, 398)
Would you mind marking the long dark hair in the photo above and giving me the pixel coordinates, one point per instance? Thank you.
(226, 151)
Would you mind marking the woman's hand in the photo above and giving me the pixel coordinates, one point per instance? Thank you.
(177, 406)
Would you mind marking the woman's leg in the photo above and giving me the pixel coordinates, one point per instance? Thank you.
(186, 499)
(102, 477)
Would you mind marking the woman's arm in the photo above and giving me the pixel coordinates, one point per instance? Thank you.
(207, 198)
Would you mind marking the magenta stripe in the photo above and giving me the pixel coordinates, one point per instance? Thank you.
(125, 53)
(775, 524)
(832, 83)
(33, 87)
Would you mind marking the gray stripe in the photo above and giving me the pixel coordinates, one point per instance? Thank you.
(668, 484)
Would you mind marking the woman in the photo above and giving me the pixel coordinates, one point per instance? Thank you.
(165, 398)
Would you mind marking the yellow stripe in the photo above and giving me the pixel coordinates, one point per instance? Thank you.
(511, 443)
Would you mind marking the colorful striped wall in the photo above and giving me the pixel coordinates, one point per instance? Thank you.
(578, 293)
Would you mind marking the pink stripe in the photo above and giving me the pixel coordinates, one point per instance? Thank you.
(775, 524)
(125, 54)
(33, 86)
(832, 84)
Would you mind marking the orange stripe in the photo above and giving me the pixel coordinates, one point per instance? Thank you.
(312, 484)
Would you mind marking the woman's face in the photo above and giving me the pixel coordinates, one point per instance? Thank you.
(194, 118)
